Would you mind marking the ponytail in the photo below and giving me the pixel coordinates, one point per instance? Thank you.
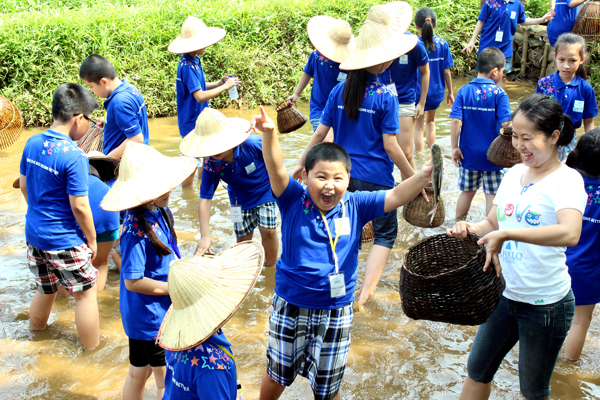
(586, 154)
(425, 19)
(161, 248)
(567, 131)
(354, 92)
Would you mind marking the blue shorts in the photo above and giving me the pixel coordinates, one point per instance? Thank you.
(433, 105)
(107, 236)
(540, 331)
(469, 180)
(315, 123)
(385, 229)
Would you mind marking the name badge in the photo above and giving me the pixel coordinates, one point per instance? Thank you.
(578, 106)
(342, 76)
(345, 226)
(250, 168)
(499, 36)
(392, 87)
(513, 14)
(337, 285)
(404, 59)
(236, 214)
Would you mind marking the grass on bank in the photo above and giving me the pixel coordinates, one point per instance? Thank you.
(42, 44)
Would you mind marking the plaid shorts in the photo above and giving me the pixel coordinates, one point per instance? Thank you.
(312, 343)
(469, 180)
(72, 268)
(264, 215)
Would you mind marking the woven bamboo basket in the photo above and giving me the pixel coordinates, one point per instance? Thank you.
(367, 233)
(415, 212)
(502, 153)
(587, 23)
(93, 140)
(289, 119)
(442, 279)
(11, 123)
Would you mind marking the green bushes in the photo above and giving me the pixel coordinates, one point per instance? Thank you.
(42, 43)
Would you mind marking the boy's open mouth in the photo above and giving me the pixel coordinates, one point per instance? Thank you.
(327, 198)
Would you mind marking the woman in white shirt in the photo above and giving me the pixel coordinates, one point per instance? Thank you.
(537, 213)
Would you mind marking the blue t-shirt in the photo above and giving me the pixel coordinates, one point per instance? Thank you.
(126, 116)
(504, 16)
(563, 21)
(440, 59)
(104, 221)
(247, 179)
(582, 260)
(205, 372)
(403, 73)
(362, 138)
(142, 314)
(190, 78)
(482, 107)
(54, 168)
(326, 74)
(578, 99)
(302, 275)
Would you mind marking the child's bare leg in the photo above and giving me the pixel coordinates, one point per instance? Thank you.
(189, 181)
(269, 389)
(159, 377)
(489, 202)
(576, 337)
(39, 311)
(406, 139)
(419, 144)
(116, 259)
(430, 127)
(475, 391)
(62, 292)
(270, 243)
(87, 318)
(101, 263)
(463, 204)
(136, 382)
(376, 263)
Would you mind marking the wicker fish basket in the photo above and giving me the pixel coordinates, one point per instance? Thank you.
(587, 23)
(367, 233)
(415, 212)
(11, 123)
(502, 153)
(289, 119)
(442, 279)
(93, 140)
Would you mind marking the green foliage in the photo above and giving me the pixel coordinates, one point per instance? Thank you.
(42, 43)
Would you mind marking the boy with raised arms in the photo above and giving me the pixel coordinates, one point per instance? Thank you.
(126, 118)
(309, 330)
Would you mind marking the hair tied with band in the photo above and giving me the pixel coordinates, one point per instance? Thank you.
(427, 19)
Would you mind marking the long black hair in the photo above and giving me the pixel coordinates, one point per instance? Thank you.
(161, 248)
(546, 115)
(426, 20)
(586, 156)
(354, 92)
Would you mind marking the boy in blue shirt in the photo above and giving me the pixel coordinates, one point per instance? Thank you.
(59, 228)
(193, 92)
(481, 107)
(497, 23)
(126, 118)
(314, 283)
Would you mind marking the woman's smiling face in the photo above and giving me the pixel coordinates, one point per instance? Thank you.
(535, 147)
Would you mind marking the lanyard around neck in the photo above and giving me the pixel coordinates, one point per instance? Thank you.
(239, 385)
(170, 236)
(332, 242)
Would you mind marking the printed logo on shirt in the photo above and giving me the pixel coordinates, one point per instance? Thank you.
(131, 225)
(510, 251)
(494, 4)
(546, 85)
(532, 218)
(57, 147)
(519, 215)
(487, 91)
(322, 59)
(593, 195)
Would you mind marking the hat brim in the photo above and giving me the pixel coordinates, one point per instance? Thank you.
(317, 29)
(235, 133)
(207, 37)
(147, 186)
(380, 54)
(225, 285)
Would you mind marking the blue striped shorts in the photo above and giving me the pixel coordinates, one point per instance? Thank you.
(312, 343)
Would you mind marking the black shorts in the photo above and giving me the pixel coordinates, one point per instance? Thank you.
(144, 352)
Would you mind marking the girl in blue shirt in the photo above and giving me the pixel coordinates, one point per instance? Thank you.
(565, 13)
(582, 259)
(440, 61)
(568, 85)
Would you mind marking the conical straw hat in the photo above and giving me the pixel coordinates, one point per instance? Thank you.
(396, 15)
(106, 166)
(206, 292)
(11, 123)
(214, 134)
(144, 175)
(195, 35)
(332, 37)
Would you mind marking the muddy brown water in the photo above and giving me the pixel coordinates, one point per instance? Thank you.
(391, 357)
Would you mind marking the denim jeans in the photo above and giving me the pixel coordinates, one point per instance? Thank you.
(314, 122)
(540, 331)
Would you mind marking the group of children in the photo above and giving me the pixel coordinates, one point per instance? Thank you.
(371, 97)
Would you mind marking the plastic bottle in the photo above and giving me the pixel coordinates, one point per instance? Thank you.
(233, 92)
